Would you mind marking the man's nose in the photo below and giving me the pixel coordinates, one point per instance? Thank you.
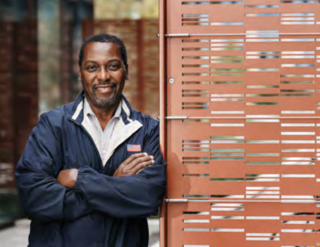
(103, 74)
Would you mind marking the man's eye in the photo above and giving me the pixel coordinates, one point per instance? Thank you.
(113, 66)
(91, 68)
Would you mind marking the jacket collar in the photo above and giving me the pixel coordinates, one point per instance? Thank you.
(77, 113)
(122, 131)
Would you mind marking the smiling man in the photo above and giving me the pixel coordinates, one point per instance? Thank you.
(92, 171)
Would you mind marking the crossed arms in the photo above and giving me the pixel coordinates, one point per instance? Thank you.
(135, 190)
(131, 166)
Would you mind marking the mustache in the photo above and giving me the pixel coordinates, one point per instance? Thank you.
(104, 84)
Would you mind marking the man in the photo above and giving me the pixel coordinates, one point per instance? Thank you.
(92, 171)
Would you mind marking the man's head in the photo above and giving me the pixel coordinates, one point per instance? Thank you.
(103, 69)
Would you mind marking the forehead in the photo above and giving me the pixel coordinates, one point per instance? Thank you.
(98, 51)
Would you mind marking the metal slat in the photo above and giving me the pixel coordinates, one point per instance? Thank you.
(186, 117)
(176, 200)
(265, 35)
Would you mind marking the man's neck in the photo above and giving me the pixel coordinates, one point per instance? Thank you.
(104, 115)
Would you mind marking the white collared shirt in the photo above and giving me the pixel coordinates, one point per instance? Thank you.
(100, 137)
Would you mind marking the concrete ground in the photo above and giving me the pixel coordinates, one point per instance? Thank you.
(17, 236)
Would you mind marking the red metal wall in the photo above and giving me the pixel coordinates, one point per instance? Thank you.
(242, 122)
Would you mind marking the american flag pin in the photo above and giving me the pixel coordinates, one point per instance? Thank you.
(133, 148)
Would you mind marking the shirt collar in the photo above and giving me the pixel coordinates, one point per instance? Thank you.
(77, 114)
(87, 110)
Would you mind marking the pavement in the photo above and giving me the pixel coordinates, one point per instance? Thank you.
(17, 236)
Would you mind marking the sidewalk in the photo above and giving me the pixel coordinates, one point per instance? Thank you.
(17, 236)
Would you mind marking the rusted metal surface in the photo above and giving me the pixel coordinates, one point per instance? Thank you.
(243, 123)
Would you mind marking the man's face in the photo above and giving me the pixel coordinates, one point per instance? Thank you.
(103, 74)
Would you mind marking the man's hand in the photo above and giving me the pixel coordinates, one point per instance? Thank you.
(134, 164)
(68, 178)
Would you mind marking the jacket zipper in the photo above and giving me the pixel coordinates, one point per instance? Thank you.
(92, 141)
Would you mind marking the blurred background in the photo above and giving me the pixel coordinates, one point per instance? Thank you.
(39, 44)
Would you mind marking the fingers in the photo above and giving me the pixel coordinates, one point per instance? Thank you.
(140, 166)
(134, 164)
(133, 157)
(138, 161)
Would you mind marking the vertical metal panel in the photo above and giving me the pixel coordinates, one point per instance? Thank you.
(246, 155)
(162, 101)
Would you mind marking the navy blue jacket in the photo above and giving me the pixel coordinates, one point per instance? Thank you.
(102, 210)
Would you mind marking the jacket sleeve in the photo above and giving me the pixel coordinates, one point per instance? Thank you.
(134, 196)
(42, 197)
